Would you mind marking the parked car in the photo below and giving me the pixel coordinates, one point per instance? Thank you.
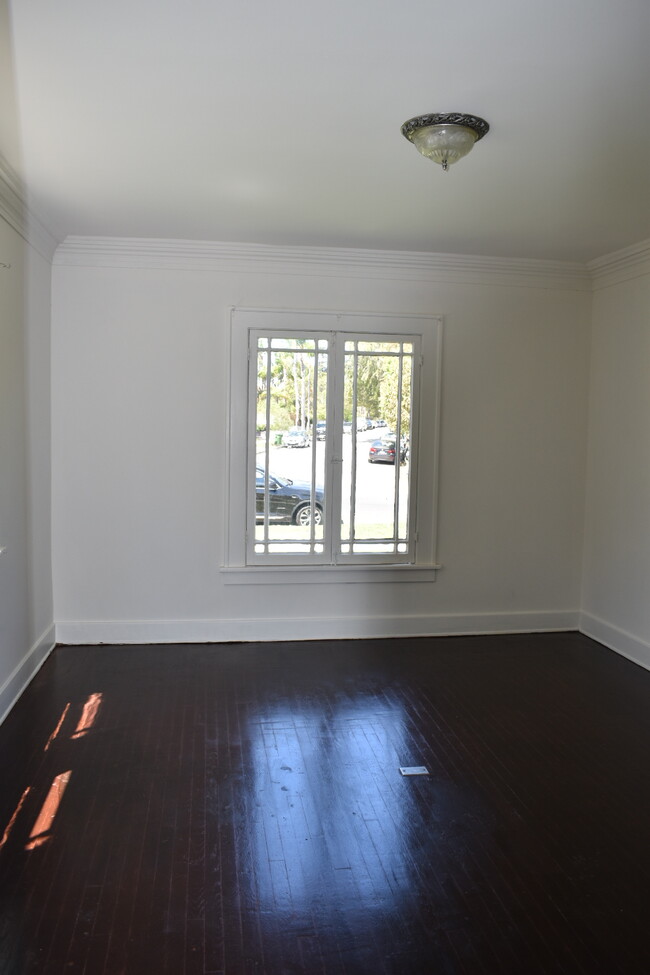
(289, 501)
(321, 429)
(347, 426)
(383, 451)
(381, 423)
(295, 437)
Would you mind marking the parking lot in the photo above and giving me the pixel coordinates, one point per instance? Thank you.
(375, 488)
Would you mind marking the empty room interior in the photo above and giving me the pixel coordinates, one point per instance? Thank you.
(324, 487)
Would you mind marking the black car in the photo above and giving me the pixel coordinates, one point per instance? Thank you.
(289, 501)
(383, 451)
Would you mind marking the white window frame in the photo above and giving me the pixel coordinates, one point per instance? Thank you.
(238, 566)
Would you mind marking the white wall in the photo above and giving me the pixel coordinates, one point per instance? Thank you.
(616, 591)
(140, 361)
(26, 609)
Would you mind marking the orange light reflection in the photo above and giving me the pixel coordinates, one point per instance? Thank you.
(10, 824)
(41, 830)
(88, 715)
(58, 727)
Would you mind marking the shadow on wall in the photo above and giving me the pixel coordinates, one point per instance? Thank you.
(25, 603)
(9, 127)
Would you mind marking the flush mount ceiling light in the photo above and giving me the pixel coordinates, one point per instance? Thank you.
(444, 137)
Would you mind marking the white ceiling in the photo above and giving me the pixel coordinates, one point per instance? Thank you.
(278, 121)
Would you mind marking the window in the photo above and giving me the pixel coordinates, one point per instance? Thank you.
(333, 439)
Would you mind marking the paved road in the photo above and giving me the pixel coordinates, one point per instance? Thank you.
(375, 482)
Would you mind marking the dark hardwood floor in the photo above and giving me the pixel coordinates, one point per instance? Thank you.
(239, 809)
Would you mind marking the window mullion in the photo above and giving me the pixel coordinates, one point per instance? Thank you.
(251, 465)
(353, 464)
(267, 423)
(398, 448)
(415, 367)
(314, 447)
(334, 444)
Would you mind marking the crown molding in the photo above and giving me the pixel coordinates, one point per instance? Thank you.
(623, 265)
(15, 210)
(153, 253)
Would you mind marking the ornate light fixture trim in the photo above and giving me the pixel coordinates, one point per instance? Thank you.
(445, 137)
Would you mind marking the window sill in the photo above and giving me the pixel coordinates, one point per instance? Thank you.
(282, 575)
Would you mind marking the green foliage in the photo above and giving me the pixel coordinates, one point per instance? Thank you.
(298, 398)
(377, 387)
(290, 383)
(370, 370)
(389, 394)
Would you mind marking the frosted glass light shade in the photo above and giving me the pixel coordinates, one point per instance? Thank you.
(445, 144)
(445, 138)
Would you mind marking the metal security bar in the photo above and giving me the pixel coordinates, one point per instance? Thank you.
(378, 378)
(331, 417)
(290, 387)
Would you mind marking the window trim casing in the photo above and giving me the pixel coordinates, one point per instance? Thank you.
(243, 320)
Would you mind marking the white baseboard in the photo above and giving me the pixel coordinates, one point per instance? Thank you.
(21, 675)
(627, 644)
(325, 628)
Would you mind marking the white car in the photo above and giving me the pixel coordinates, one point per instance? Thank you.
(296, 437)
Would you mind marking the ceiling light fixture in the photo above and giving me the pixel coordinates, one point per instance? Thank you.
(444, 137)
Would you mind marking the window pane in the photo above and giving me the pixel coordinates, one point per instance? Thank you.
(289, 459)
(292, 343)
(374, 548)
(379, 346)
(376, 467)
(367, 461)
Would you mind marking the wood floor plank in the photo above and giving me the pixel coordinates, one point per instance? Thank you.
(239, 809)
